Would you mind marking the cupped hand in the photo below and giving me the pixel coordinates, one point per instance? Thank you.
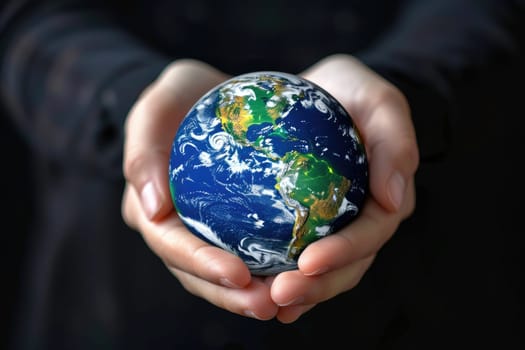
(204, 270)
(337, 262)
(327, 267)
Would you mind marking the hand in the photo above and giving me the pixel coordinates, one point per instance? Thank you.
(337, 262)
(204, 270)
(222, 278)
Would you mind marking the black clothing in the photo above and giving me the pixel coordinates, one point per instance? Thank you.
(69, 72)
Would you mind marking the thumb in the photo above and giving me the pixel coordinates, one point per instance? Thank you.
(149, 129)
(391, 146)
(151, 126)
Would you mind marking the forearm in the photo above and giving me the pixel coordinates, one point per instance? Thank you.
(69, 75)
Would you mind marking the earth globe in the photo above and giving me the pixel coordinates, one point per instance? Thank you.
(263, 165)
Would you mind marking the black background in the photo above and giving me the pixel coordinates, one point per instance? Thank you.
(456, 265)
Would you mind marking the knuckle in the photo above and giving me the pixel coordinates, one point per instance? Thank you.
(134, 161)
(409, 150)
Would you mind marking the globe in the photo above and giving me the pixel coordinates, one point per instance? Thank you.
(265, 164)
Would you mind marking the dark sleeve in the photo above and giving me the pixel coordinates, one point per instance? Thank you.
(69, 74)
(434, 46)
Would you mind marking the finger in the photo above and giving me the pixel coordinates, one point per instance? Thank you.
(363, 238)
(179, 248)
(151, 127)
(127, 208)
(294, 288)
(252, 301)
(291, 314)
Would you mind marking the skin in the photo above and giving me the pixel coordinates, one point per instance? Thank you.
(327, 267)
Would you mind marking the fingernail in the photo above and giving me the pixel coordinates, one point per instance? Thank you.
(294, 301)
(396, 189)
(227, 283)
(317, 272)
(150, 200)
(251, 314)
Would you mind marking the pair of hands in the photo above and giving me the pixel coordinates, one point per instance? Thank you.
(327, 267)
